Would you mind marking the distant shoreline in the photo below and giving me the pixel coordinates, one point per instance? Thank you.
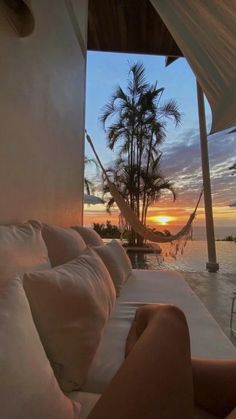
(199, 232)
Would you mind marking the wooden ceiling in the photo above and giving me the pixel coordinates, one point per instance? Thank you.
(131, 26)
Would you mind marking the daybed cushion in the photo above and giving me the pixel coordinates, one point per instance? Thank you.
(144, 287)
(117, 262)
(90, 236)
(71, 305)
(63, 244)
(28, 388)
(22, 249)
(88, 401)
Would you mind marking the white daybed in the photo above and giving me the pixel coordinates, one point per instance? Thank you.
(144, 287)
(33, 248)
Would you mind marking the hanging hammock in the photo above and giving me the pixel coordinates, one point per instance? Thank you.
(131, 217)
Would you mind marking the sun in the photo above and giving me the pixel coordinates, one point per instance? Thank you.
(162, 219)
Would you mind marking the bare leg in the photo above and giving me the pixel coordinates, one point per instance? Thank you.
(155, 380)
(215, 385)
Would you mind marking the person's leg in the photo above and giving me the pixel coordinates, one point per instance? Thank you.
(215, 385)
(155, 380)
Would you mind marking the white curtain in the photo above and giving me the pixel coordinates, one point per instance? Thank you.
(205, 31)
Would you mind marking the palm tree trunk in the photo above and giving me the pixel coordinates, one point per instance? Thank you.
(139, 165)
(145, 198)
(132, 201)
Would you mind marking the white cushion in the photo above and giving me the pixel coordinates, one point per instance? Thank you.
(90, 236)
(22, 249)
(63, 244)
(143, 287)
(169, 287)
(28, 388)
(87, 401)
(117, 262)
(71, 305)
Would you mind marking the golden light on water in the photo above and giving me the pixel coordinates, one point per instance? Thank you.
(162, 219)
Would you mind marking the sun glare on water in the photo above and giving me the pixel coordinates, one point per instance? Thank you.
(162, 219)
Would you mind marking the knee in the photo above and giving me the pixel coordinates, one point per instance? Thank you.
(174, 311)
(170, 314)
(151, 312)
(175, 319)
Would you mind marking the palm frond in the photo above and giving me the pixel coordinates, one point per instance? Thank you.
(110, 204)
(170, 109)
(88, 185)
(137, 83)
(90, 160)
(107, 111)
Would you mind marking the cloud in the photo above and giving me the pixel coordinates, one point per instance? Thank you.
(181, 163)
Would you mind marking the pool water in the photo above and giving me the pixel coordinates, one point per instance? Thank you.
(193, 260)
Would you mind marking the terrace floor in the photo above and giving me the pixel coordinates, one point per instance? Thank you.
(215, 291)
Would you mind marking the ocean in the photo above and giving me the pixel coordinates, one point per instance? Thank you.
(199, 233)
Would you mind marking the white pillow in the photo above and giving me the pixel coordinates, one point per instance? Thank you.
(28, 388)
(90, 236)
(22, 249)
(117, 262)
(71, 305)
(63, 244)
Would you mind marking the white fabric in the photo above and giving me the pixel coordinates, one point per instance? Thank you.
(63, 244)
(71, 305)
(205, 31)
(22, 249)
(90, 236)
(87, 401)
(140, 228)
(132, 219)
(117, 262)
(207, 339)
(28, 388)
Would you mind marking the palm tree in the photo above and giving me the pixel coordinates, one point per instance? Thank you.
(152, 183)
(135, 120)
(88, 184)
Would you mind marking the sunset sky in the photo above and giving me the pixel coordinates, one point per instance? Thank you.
(181, 161)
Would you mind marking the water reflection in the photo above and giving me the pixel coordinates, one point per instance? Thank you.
(140, 260)
(193, 260)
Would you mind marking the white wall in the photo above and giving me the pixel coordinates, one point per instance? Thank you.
(42, 102)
